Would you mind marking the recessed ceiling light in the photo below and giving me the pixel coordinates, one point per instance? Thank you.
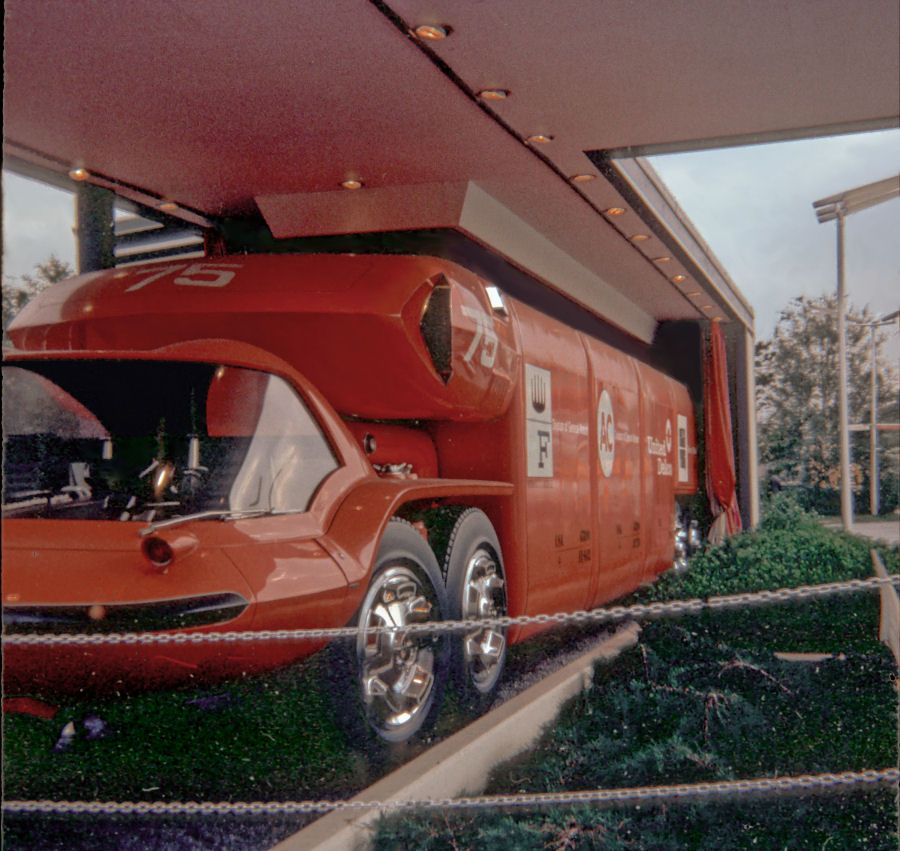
(707, 307)
(167, 206)
(352, 183)
(615, 211)
(695, 294)
(432, 32)
(494, 94)
(539, 139)
(79, 174)
(639, 237)
(677, 279)
(662, 259)
(582, 178)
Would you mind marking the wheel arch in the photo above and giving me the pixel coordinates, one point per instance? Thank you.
(357, 528)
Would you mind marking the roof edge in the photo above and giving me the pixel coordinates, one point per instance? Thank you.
(765, 137)
(644, 190)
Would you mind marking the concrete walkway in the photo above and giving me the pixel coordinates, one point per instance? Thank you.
(876, 530)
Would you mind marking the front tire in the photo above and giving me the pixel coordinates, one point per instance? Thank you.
(400, 676)
(476, 587)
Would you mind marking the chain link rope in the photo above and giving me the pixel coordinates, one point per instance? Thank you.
(666, 794)
(669, 794)
(638, 611)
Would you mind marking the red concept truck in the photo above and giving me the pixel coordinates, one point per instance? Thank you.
(270, 442)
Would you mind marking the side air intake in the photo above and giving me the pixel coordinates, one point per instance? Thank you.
(437, 329)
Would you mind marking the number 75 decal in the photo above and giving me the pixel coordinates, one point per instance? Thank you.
(485, 336)
(192, 275)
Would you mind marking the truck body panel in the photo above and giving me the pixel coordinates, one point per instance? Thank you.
(319, 397)
(351, 323)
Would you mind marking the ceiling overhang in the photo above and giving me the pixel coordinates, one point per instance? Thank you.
(258, 112)
(464, 207)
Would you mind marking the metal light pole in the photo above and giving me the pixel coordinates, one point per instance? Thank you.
(843, 407)
(873, 436)
(837, 208)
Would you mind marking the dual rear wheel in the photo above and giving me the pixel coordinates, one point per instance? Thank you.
(398, 674)
(476, 587)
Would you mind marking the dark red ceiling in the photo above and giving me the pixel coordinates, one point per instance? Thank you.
(215, 104)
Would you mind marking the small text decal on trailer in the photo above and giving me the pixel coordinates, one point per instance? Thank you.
(538, 421)
(682, 448)
(662, 449)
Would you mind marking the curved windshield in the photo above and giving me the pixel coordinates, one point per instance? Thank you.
(145, 440)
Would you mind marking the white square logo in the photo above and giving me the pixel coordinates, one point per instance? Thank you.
(538, 421)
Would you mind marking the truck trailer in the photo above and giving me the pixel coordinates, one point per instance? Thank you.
(251, 443)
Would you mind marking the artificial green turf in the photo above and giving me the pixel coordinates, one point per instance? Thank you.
(260, 738)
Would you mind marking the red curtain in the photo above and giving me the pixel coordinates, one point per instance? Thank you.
(720, 469)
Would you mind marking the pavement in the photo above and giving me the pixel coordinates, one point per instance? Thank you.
(877, 530)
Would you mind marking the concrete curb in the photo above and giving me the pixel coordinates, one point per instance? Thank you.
(889, 631)
(461, 764)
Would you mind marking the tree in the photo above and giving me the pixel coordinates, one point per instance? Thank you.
(797, 402)
(17, 294)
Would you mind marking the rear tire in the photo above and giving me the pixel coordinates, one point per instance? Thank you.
(476, 587)
(686, 538)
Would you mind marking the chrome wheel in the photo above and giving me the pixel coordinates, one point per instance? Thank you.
(687, 538)
(387, 686)
(397, 669)
(476, 586)
(483, 596)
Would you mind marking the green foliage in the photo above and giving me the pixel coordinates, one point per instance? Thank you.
(17, 295)
(790, 547)
(796, 398)
(269, 738)
(685, 708)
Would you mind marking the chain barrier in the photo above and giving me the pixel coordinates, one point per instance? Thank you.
(637, 611)
(658, 795)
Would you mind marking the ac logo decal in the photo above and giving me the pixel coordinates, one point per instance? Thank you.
(606, 434)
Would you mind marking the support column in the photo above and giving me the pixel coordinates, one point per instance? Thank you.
(843, 406)
(94, 234)
(744, 405)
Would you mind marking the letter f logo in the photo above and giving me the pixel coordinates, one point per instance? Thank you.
(543, 447)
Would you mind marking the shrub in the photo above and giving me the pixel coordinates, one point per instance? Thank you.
(703, 698)
(686, 708)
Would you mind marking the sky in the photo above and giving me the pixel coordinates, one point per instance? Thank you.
(752, 205)
(37, 222)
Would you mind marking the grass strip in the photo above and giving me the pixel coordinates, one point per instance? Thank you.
(269, 737)
(686, 708)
